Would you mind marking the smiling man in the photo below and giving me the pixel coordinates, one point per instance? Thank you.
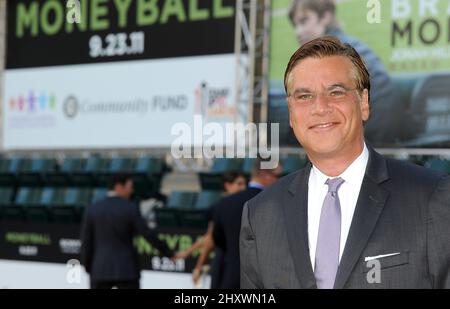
(325, 225)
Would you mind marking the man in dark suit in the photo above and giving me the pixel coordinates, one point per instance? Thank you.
(107, 238)
(351, 218)
(227, 222)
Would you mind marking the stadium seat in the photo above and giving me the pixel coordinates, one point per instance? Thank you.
(71, 208)
(206, 198)
(147, 174)
(88, 175)
(181, 199)
(292, 164)
(247, 166)
(23, 208)
(116, 165)
(9, 170)
(98, 194)
(38, 204)
(6, 196)
(63, 176)
(438, 165)
(33, 171)
(213, 180)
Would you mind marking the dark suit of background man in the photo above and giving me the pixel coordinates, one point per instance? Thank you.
(108, 230)
(227, 222)
(351, 218)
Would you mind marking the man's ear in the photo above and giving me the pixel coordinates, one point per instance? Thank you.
(365, 107)
(289, 111)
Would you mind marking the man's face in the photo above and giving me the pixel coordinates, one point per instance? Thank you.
(326, 112)
(308, 25)
(127, 189)
(270, 176)
(237, 185)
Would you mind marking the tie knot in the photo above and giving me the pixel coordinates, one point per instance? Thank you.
(334, 184)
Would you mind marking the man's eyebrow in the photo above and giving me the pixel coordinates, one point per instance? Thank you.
(338, 85)
(307, 90)
(301, 90)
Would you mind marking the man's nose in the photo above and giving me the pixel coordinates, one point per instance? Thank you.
(321, 105)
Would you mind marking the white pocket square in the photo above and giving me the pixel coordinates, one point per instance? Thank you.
(370, 258)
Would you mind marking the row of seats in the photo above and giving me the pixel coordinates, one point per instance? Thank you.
(212, 180)
(441, 165)
(93, 171)
(31, 204)
(186, 209)
(58, 204)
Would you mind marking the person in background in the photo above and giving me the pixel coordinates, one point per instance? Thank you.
(233, 182)
(108, 229)
(227, 222)
(314, 18)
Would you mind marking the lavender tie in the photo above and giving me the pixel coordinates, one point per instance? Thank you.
(328, 240)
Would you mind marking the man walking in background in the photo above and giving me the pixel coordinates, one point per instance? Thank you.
(107, 236)
(227, 222)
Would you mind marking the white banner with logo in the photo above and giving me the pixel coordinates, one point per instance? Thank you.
(116, 105)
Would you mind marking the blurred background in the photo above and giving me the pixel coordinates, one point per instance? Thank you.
(94, 87)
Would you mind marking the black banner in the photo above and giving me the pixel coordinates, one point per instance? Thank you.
(63, 32)
(60, 243)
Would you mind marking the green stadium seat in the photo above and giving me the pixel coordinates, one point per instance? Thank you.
(248, 166)
(116, 165)
(213, 180)
(292, 164)
(147, 174)
(71, 208)
(98, 194)
(88, 175)
(181, 199)
(27, 206)
(33, 171)
(63, 177)
(6, 196)
(28, 196)
(9, 170)
(39, 202)
(222, 165)
(206, 198)
(440, 165)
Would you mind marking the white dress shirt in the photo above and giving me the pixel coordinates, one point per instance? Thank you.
(348, 196)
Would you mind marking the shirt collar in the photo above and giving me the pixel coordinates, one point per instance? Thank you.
(352, 175)
(111, 193)
(254, 184)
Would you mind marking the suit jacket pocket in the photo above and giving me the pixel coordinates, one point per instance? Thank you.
(387, 261)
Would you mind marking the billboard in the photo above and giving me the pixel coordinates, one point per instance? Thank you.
(406, 46)
(115, 74)
(60, 243)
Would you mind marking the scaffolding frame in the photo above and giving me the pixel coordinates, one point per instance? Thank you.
(252, 32)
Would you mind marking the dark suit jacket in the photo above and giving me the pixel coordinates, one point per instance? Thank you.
(107, 236)
(227, 225)
(401, 208)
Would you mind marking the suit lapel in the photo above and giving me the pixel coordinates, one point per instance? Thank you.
(371, 201)
(296, 218)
